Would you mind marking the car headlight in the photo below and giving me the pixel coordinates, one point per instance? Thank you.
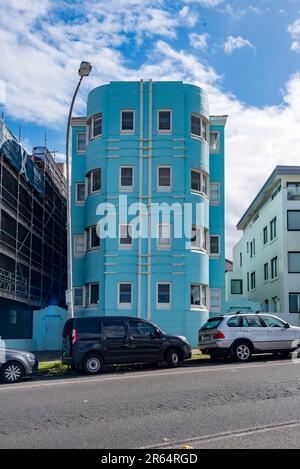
(184, 339)
(30, 356)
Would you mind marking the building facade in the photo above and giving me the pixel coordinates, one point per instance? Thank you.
(149, 142)
(32, 238)
(267, 258)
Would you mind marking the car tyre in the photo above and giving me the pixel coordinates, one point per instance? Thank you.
(12, 372)
(93, 365)
(173, 358)
(242, 351)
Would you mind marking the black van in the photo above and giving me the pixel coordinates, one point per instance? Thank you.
(91, 343)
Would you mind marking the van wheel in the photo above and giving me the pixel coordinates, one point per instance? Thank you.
(93, 365)
(173, 358)
(242, 351)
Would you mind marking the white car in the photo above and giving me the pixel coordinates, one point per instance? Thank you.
(241, 335)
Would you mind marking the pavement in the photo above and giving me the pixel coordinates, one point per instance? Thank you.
(201, 405)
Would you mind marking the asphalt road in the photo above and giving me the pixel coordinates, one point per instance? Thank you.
(201, 406)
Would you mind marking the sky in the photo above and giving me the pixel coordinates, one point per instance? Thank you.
(246, 55)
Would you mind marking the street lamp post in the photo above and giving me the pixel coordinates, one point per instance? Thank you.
(84, 71)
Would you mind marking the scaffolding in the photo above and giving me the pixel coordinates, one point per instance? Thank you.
(33, 245)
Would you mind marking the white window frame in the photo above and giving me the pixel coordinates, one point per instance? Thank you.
(164, 188)
(202, 119)
(217, 308)
(202, 307)
(126, 188)
(125, 246)
(87, 295)
(87, 234)
(164, 305)
(201, 235)
(82, 303)
(79, 254)
(218, 185)
(219, 252)
(77, 146)
(218, 141)
(164, 245)
(91, 126)
(127, 132)
(125, 305)
(171, 119)
(79, 202)
(202, 176)
(91, 174)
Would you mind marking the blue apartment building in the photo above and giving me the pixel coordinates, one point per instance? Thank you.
(155, 143)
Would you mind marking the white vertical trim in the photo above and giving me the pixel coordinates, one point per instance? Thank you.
(140, 199)
(149, 203)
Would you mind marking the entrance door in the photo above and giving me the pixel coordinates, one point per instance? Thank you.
(53, 332)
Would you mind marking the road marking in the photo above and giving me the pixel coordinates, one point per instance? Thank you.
(140, 375)
(227, 435)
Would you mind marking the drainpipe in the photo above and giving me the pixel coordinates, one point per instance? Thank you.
(140, 199)
(150, 204)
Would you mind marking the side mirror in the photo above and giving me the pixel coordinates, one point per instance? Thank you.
(287, 326)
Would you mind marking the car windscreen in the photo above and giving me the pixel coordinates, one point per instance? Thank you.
(212, 323)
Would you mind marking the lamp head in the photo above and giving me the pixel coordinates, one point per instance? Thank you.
(85, 69)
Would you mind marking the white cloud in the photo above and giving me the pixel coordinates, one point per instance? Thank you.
(206, 3)
(2, 93)
(233, 43)
(198, 41)
(188, 16)
(294, 30)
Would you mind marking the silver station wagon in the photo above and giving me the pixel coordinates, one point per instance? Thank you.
(242, 335)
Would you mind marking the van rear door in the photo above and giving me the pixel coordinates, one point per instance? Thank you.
(67, 339)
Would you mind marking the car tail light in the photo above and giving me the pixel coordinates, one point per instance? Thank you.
(219, 335)
(74, 336)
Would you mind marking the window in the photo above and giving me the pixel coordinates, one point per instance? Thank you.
(247, 248)
(80, 193)
(294, 300)
(94, 181)
(237, 321)
(212, 323)
(241, 259)
(214, 142)
(271, 321)
(13, 317)
(198, 182)
(199, 126)
(215, 299)
(163, 295)
(199, 296)
(266, 271)
(293, 220)
(164, 178)
(164, 120)
(252, 248)
(293, 190)
(248, 281)
(265, 234)
(92, 238)
(113, 329)
(276, 192)
(127, 121)
(273, 228)
(266, 306)
(164, 236)
(125, 295)
(126, 178)
(78, 245)
(275, 304)
(274, 267)
(81, 142)
(294, 262)
(215, 195)
(95, 126)
(125, 235)
(253, 281)
(92, 294)
(215, 245)
(199, 238)
(236, 287)
(141, 329)
(254, 321)
(78, 296)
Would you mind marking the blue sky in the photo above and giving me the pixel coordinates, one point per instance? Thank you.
(245, 54)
